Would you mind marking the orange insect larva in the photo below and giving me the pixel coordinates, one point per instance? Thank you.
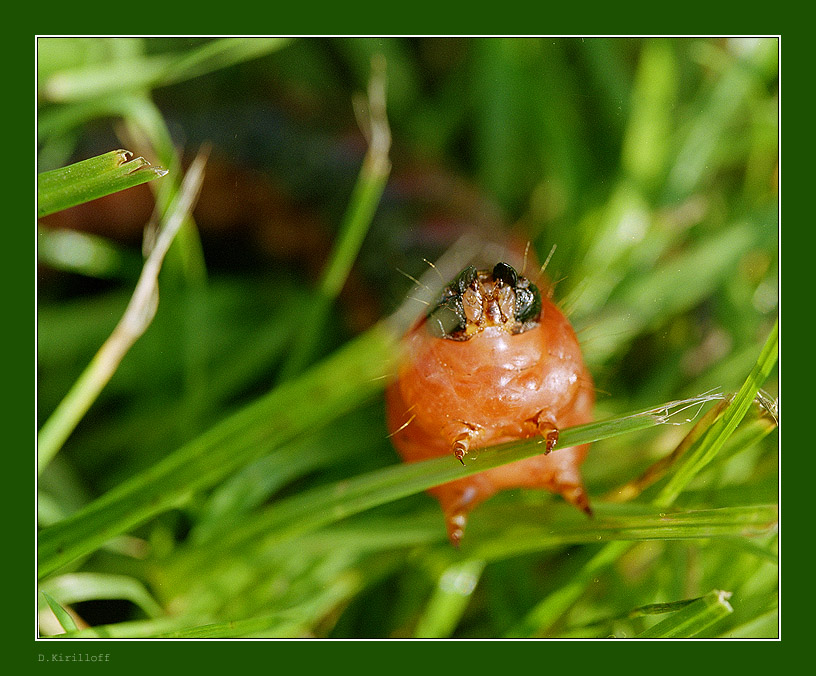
(492, 362)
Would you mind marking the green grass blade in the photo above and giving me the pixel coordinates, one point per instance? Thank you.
(764, 624)
(356, 372)
(545, 613)
(337, 385)
(136, 628)
(62, 615)
(619, 533)
(136, 71)
(147, 126)
(78, 587)
(322, 505)
(607, 323)
(607, 526)
(137, 317)
(602, 627)
(708, 133)
(552, 607)
(449, 600)
(92, 178)
(705, 449)
(693, 618)
(272, 626)
(287, 623)
(648, 134)
(86, 254)
(357, 220)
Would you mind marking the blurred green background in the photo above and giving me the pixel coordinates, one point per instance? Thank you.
(650, 164)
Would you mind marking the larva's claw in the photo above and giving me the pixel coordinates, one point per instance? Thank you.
(456, 528)
(461, 444)
(459, 450)
(456, 512)
(549, 431)
(577, 496)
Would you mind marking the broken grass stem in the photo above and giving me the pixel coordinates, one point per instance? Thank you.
(373, 121)
(665, 413)
(650, 417)
(137, 317)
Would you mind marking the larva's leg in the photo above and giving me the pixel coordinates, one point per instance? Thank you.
(458, 499)
(455, 524)
(460, 447)
(576, 495)
(546, 428)
(465, 440)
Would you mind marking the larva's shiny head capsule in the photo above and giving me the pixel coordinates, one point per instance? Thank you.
(478, 299)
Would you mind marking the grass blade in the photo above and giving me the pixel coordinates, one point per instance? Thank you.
(62, 615)
(134, 323)
(137, 71)
(287, 623)
(92, 178)
(449, 600)
(323, 505)
(78, 587)
(704, 451)
(135, 628)
(86, 254)
(552, 607)
(723, 522)
(363, 203)
(546, 612)
(694, 618)
(337, 385)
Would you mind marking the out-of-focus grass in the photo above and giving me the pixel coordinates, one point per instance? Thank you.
(650, 163)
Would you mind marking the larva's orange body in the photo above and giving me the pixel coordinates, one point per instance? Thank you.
(494, 362)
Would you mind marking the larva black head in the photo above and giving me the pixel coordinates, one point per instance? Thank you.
(475, 300)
